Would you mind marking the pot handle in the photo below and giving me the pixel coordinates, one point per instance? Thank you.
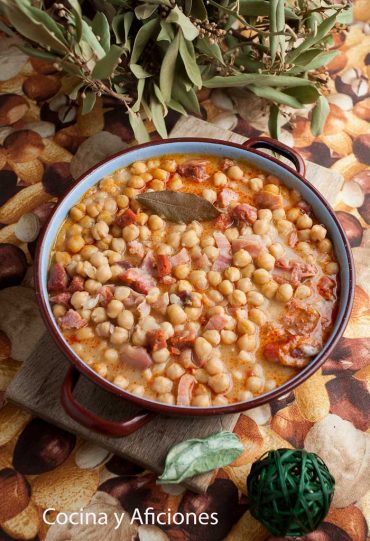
(278, 147)
(87, 418)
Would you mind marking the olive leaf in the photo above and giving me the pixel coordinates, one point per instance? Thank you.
(157, 114)
(321, 32)
(275, 122)
(178, 206)
(139, 71)
(260, 79)
(210, 49)
(277, 24)
(121, 25)
(145, 10)
(138, 127)
(176, 106)
(319, 115)
(37, 53)
(196, 456)
(259, 8)
(167, 73)
(198, 10)
(187, 54)
(166, 33)
(275, 95)
(100, 27)
(88, 36)
(178, 17)
(305, 94)
(88, 102)
(142, 38)
(106, 65)
(140, 91)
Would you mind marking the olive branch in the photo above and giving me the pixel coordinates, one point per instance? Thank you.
(155, 55)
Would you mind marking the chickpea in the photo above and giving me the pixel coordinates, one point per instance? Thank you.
(304, 222)
(103, 273)
(122, 201)
(202, 348)
(121, 293)
(293, 214)
(162, 384)
(284, 293)
(241, 258)
(207, 241)
(235, 172)
(167, 329)
(138, 390)
(302, 292)
(87, 222)
(304, 235)
(155, 223)
(260, 227)
(219, 179)
(59, 310)
(77, 212)
(277, 250)
(111, 355)
(114, 308)
(86, 333)
(75, 243)
(256, 184)
(169, 165)
(136, 182)
(176, 314)
(255, 384)
(215, 296)
(62, 257)
(332, 267)
(101, 369)
(209, 195)
(228, 337)
(284, 227)
(79, 299)
(98, 315)
(254, 298)
(212, 336)
(232, 274)
(174, 239)
(119, 336)
(244, 284)
(278, 214)
(220, 383)
(237, 298)
(138, 168)
(269, 289)
(265, 214)
(199, 279)
(261, 276)
(318, 232)
(184, 285)
(214, 366)
(130, 232)
(232, 233)
(214, 278)
(211, 252)
(325, 246)
(258, 316)
(270, 384)
(118, 245)
(245, 326)
(265, 261)
(93, 210)
(226, 287)
(248, 270)
(175, 371)
(244, 396)
(175, 183)
(189, 239)
(98, 259)
(104, 329)
(161, 355)
(121, 381)
(201, 401)
(138, 338)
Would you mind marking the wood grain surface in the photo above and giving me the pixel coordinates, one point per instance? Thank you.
(37, 385)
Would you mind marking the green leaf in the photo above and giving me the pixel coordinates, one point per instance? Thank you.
(305, 94)
(275, 95)
(76, 6)
(138, 127)
(158, 116)
(88, 103)
(188, 57)
(105, 66)
(160, 97)
(4, 28)
(177, 16)
(142, 38)
(261, 8)
(121, 25)
(196, 456)
(36, 53)
(166, 33)
(322, 30)
(140, 91)
(274, 122)
(210, 49)
(260, 79)
(319, 115)
(176, 106)
(198, 10)
(144, 11)
(88, 36)
(186, 97)
(307, 56)
(277, 24)
(167, 73)
(319, 61)
(100, 26)
(139, 71)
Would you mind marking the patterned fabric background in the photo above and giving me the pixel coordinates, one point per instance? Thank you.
(44, 145)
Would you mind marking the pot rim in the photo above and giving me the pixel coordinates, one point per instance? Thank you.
(159, 407)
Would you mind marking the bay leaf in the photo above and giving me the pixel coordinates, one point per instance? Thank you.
(138, 127)
(274, 122)
(106, 65)
(100, 26)
(167, 73)
(157, 113)
(322, 30)
(196, 456)
(140, 92)
(319, 115)
(178, 17)
(166, 33)
(305, 94)
(275, 95)
(188, 57)
(139, 71)
(145, 10)
(260, 79)
(179, 207)
(88, 103)
(142, 38)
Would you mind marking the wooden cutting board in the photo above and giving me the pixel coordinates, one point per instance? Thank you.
(37, 385)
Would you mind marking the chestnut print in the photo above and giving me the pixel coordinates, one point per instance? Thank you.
(362, 109)
(121, 466)
(350, 354)
(8, 185)
(40, 66)
(41, 447)
(363, 179)
(41, 87)
(132, 492)
(13, 265)
(12, 108)
(15, 493)
(351, 226)
(364, 210)
(361, 148)
(57, 178)
(23, 146)
(350, 400)
(116, 122)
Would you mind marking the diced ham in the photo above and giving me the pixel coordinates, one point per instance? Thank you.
(326, 287)
(182, 341)
(144, 309)
(305, 207)
(217, 322)
(135, 357)
(105, 295)
(77, 284)
(300, 318)
(301, 271)
(195, 169)
(161, 304)
(223, 222)
(138, 280)
(186, 297)
(185, 390)
(164, 265)
(268, 200)
(201, 261)
(180, 258)
(126, 217)
(156, 339)
(226, 163)
(136, 248)
(293, 238)
(72, 320)
(134, 299)
(295, 352)
(226, 196)
(292, 271)
(244, 213)
(61, 298)
(58, 278)
(252, 243)
(148, 264)
(224, 259)
(168, 280)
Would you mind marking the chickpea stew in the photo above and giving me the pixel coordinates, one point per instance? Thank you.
(196, 314)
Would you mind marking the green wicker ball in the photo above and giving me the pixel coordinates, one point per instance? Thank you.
(290, 491)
